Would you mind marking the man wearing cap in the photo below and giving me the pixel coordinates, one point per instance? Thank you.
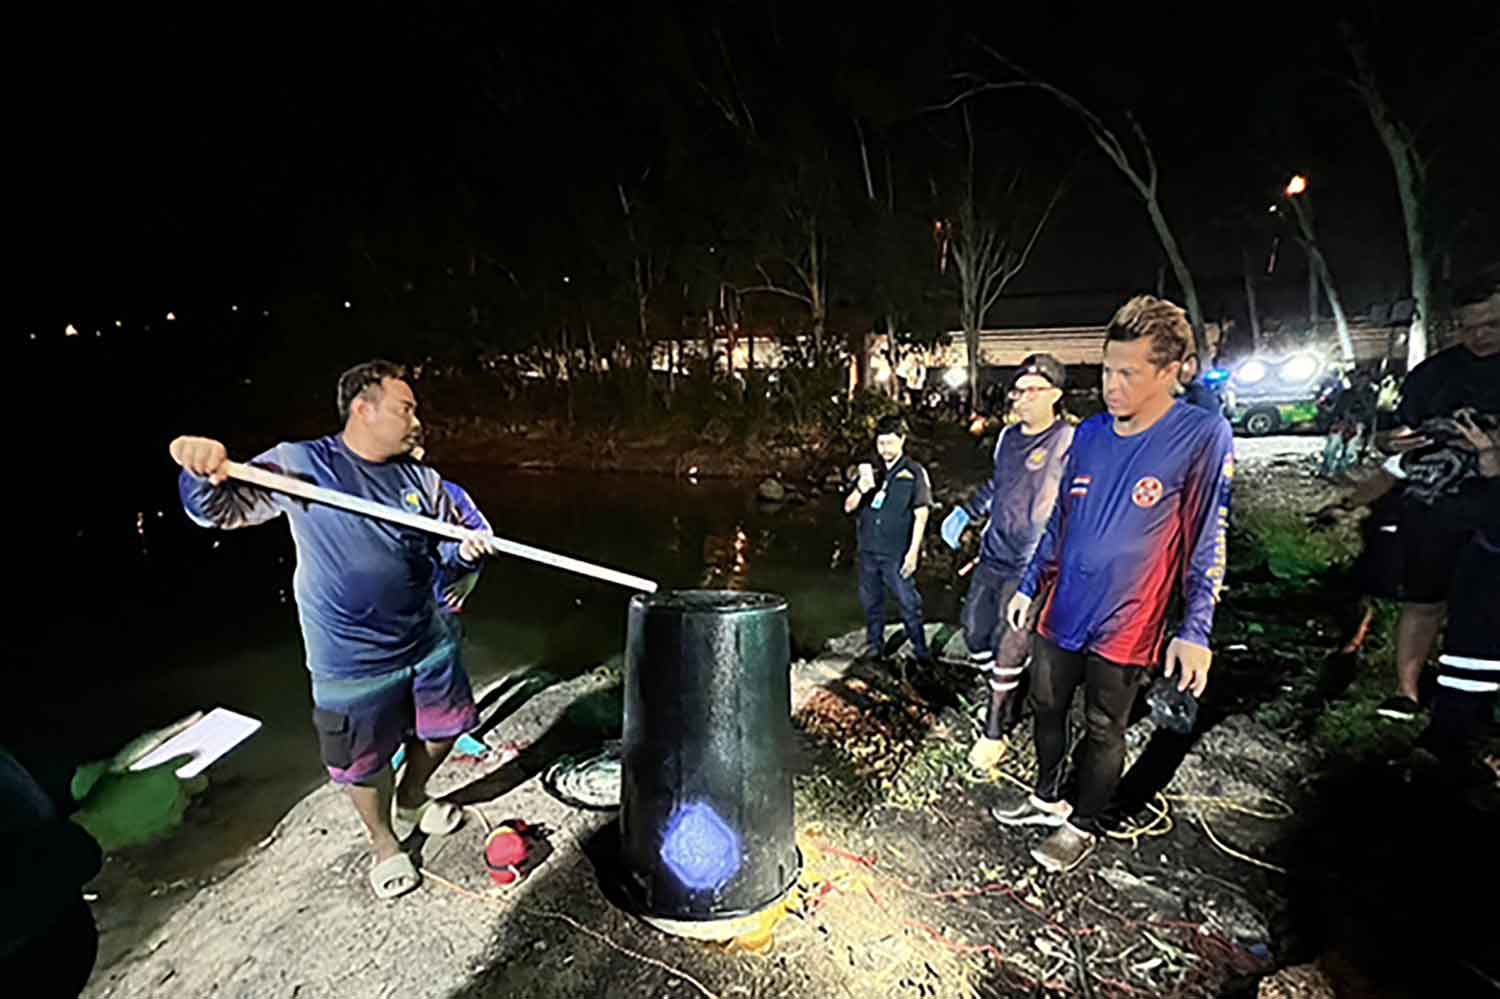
(1017, 498)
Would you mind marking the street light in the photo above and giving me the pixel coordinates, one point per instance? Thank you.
(1296, 186)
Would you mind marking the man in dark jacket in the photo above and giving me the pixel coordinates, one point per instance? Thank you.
(1017, 499)
(892, 498)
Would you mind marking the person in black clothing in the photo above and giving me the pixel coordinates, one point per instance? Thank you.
(48, 941)
(892, 497)
(1464, 376)
(1469, 668)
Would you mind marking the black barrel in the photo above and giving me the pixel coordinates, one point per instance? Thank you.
(706, 797)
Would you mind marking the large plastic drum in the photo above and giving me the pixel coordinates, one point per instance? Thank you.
(707, 834)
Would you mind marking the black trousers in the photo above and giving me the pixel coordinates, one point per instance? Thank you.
(1109, 691)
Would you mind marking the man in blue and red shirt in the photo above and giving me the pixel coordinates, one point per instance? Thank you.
(1143, 513)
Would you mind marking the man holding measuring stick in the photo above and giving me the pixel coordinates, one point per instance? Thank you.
(385, 668)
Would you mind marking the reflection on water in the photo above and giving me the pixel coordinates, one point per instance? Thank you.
(143, 618)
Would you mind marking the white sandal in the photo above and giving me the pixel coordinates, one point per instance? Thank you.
(394, 877)
(434, 818)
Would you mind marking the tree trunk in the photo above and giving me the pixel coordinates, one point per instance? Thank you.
(567, 373)
(1180, 269)
(971, 353)
(859, 351)
(891, 389)
(1318, 270)
(708, 340)
(1312, 295)
(1250, 300)
(1411, 185)
(816, 295)
(1340, 322)
(1421, 290)
(643, 330)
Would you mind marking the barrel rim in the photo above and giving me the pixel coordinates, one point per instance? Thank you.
(755, 601)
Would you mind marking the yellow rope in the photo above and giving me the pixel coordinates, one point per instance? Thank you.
(1162, 823)
(1231, 804)
(1237, 855)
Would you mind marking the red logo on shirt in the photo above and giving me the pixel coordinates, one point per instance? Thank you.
(1147, 493)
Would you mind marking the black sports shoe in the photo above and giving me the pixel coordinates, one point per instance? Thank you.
(1399, 708)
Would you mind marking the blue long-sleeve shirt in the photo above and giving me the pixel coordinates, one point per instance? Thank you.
(1136, 515)
(1019, 495)
(454, 584)
(364, 588)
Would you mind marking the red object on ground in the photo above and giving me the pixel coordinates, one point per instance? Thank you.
(505, 852)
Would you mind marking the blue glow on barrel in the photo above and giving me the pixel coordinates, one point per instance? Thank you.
(699, 848)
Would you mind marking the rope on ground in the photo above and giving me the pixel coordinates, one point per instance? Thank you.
(564, 917)
(1160, 825)
(1161, 820)
(1231, 851)
(1232, 804)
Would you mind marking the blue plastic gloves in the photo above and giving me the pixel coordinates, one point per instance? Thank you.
(953, 526)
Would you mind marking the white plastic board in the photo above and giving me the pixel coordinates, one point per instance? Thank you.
(215, 734)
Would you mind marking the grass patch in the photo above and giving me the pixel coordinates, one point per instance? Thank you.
(1288, 546)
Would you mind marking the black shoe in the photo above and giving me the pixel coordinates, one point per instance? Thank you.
(1399, 708)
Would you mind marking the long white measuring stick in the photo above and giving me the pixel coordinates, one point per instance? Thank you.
(453, 532)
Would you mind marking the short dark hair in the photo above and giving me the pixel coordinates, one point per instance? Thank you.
(364, 380)
(1165, 323)
(890, 425)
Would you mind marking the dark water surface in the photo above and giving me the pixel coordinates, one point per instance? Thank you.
(141, 618)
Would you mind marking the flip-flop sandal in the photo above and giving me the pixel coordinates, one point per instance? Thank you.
(434, 818)
(394, 877)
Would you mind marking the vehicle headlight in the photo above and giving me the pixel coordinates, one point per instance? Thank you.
(1300, 368)
(1250, 372)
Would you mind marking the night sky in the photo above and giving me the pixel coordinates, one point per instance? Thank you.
(206, 157)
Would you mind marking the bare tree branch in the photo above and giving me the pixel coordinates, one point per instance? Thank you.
(734, 82)
(1109, 143)
(864, 158)
(1140, 134)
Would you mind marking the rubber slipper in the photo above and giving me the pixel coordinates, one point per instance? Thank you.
(394, 877)
(434, 818)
